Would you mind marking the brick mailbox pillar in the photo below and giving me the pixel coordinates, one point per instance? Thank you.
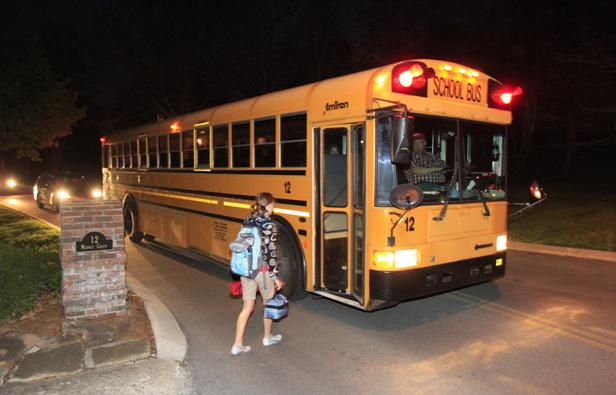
(93, 258)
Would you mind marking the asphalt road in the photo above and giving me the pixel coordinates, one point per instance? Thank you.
(548, 327)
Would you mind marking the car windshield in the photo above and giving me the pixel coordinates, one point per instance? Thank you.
(448, 156)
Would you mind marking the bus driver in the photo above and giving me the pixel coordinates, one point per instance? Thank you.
(425, 169)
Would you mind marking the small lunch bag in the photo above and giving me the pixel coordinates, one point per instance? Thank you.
(276, 308)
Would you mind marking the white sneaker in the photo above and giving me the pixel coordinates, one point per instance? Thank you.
(235, 350)
(273, 339)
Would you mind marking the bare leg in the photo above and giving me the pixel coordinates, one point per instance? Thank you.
(267, 327)
(242, 321)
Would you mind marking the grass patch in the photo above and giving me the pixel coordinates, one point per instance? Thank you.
(571, 217)
(23, 232)
(29, 263)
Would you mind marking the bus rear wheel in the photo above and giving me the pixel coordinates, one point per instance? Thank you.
(130, 224)
(291, 267)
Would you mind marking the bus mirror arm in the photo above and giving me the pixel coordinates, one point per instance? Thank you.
(391, 239)
(537, 192)
(527, 205)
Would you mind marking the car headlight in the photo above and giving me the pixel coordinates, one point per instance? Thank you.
(396, 259)
(96, 193)
(63, 195)
(11, 183)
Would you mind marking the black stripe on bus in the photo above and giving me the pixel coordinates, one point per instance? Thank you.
(219, 194)
(225, 171)
(198, 212)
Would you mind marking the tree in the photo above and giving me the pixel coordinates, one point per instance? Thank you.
(35, 109)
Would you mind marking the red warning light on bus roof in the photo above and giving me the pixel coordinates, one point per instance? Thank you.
(103, 140)
(410, 78)
(502, 96)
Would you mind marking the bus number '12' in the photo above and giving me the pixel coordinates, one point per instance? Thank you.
(410, 224)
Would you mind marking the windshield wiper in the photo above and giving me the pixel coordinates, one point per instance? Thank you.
(443, 212)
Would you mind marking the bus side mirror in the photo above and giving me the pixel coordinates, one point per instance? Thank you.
(405, 197)
(536, 191)
(400, 153)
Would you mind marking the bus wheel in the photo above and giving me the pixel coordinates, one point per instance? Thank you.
(130, 224)
(290, 261)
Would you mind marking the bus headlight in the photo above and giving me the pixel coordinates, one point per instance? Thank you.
(63, 195)
(96, 193)
(406, 258)
(384, 259)
(501, 243)
(396, 259)
(11, 183)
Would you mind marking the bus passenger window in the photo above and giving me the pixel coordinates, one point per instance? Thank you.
(174, 149)
(152, 144)
(188, 159)
(293, 129)
(133, 154)
(124, 160)
(240, 139)
(114, 155)
(143, 150)
(163, 150)
(265, 143)
(203, 147)
(221, 144)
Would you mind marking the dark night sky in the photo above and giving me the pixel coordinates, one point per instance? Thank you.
(131, 60)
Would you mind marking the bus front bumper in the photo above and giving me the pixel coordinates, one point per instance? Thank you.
(396, 286)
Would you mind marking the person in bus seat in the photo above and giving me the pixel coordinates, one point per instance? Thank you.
(333, 150)
(267, 284)
(425, 169)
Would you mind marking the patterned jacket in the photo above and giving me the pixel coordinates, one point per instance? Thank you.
(269, 241)
(425, 159)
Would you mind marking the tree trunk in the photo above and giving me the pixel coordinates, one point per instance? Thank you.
(569, 148)
(528, 131)
(56, 157)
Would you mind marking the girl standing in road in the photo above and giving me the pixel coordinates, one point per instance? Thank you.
(267, 284)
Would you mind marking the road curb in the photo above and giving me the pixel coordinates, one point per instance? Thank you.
(563, 251)
(170, 340)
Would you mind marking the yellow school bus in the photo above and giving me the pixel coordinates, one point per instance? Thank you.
(357, 223)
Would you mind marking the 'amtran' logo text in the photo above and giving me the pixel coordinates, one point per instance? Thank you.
(336, 106)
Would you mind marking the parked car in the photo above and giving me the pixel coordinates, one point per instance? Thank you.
(53, 189)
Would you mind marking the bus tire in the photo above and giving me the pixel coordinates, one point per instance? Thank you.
(131, 222)
(291, 263)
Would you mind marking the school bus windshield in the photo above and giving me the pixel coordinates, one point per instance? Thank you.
(448, 156)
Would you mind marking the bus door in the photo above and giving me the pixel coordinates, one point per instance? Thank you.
(341, 172)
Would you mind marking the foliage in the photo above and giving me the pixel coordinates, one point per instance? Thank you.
(29, 263)
(35, 109)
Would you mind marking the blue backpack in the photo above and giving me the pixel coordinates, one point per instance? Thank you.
(246, 251)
